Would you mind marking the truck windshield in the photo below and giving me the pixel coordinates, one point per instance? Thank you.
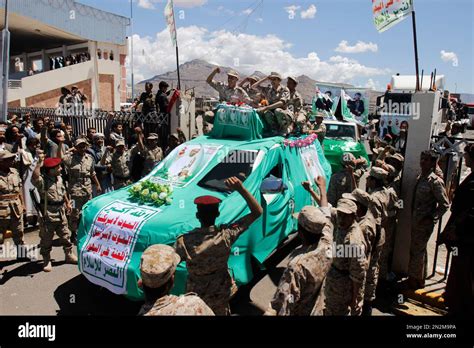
(340, 131)
(237, 163)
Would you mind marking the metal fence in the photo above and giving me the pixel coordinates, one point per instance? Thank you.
(101, 120)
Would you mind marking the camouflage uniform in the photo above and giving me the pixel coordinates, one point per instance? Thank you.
(157, 266)
(188, 304)
(11, 208)
(341, 183)
(121, 169)
(302, 280)
(294, 108)
(152, 157)
(345, 270)
(430, 202)
(230, 95)
(277, 119)
(81, 170)
(52, 192)
(206, 252)
(322, 131)
(389, 225)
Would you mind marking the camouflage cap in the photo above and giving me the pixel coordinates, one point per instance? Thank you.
(275, 75)
(80, 141)
(320, 114)
(346, 206)
(120, 142)
(5, 154)
(397, 157)
(378, 173)
(152, 136)
(390, 170)
(347, 158)
(361, 196)
(293, 78)
(254, 77)
(158, 263)
(97, 136)
(233, 73)
(311, 219)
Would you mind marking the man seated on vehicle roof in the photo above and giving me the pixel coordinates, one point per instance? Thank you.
(275, 117)
(206, 250)
(157, 268)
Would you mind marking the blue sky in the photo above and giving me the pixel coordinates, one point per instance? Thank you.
(442, 25)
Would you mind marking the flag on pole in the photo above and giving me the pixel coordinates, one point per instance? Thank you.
(388, 13)
(169, 15)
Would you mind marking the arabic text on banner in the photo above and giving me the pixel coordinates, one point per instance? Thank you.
(112, 236)
(388, 13)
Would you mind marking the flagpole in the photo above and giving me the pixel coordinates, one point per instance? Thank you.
(415, 41)
(131, 44)
(177, 53)
(5, 65)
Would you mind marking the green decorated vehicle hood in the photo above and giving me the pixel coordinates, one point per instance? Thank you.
(334, 148)
(115, 230)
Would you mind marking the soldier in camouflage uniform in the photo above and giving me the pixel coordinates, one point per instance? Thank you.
(55, 206)
(120, 162)
(347, 274)
(11, 200)
(151, 152)
(274, 114)
(372, 241)
(254, 95)
(301, 282)
(430, 202)
(206, 250)
(346, 180)
(157, 267)
(294, 106)
(80, 167)
(230, 92)
(318, 128)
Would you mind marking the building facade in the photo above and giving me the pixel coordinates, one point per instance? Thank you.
(62, 43)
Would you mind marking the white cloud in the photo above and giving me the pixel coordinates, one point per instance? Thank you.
(150, 4)
(251, 50)
(309, 13)
(259, 20)
(450, 57)
(291, 10)
(247, 11)
(359, 47)
(374, 85)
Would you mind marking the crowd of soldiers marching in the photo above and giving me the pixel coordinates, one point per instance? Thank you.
(346, 241)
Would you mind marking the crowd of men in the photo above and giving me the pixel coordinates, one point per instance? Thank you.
(47, 175)
(346, 241)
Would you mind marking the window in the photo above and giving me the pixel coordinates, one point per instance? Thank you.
(237, 163)
(340, 131)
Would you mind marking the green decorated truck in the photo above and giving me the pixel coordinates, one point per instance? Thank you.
(117, 227)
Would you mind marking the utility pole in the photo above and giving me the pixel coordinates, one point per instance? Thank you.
(5, 65)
